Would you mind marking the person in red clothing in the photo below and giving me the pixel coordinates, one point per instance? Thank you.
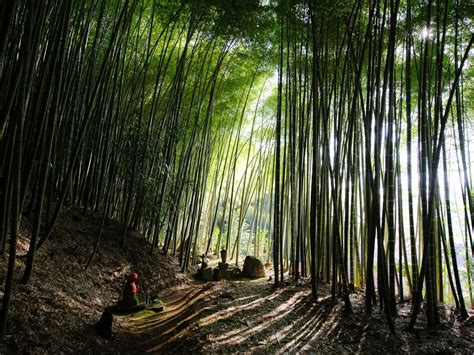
(130, 291)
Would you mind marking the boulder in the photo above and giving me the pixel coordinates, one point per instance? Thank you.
(253, 268)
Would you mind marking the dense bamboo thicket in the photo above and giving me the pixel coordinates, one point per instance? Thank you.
(329, 137)
(384, 84)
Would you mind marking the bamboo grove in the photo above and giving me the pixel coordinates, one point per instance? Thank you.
(352, 87)
(320, 136)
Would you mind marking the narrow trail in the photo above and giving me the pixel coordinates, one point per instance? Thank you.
(236, 316)
(252, 316)
(159, 329)
(57, 312)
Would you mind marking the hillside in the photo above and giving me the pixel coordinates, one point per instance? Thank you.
(56, 311)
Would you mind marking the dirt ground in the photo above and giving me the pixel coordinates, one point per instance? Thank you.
(57, 311)
(252, 316)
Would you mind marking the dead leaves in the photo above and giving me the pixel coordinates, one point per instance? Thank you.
(55, 312)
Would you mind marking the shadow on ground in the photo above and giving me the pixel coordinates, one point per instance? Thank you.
(254, 317)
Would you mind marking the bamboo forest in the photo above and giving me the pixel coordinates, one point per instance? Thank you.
(226, 176)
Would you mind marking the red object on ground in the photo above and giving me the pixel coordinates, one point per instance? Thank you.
(130, 289)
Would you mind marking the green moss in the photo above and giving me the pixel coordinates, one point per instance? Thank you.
(146, 313)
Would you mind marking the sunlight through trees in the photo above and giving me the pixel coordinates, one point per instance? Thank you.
(331, 139)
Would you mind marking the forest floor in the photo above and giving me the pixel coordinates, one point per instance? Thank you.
(253, 316)
(57, 310)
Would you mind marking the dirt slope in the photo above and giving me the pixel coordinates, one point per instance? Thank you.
(56, 311)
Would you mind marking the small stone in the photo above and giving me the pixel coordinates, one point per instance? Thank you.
(226, 294)
(207, 274)
(157, 308)
(236, 273)
(223, 266)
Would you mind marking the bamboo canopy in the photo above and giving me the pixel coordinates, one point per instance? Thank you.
(330, 138)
